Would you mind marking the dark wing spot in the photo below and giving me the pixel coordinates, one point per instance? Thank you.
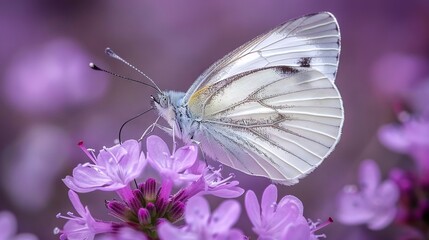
(286, 70)
(304, 62)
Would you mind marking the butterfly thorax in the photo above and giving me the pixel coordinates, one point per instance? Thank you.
(172, 108)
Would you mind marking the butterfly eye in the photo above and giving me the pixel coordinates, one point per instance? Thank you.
(163, 101)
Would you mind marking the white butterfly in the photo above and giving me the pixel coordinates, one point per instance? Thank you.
(270, 108)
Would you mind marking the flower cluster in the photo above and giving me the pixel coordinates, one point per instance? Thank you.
(403, 198)
(154, 208)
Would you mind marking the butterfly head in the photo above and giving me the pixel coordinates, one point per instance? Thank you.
(161, 101)
(167, 103)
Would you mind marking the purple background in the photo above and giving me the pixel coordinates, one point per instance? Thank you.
(173, 42)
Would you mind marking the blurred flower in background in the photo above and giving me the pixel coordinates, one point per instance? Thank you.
(373, 203)
(31, 166)
(51, 78)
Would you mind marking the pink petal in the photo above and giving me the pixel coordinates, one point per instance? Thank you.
(106, 156)
(167, 231)
(393, 137)
(225, 216)
(227, 192)
(158, 153)
(369, 177)
(234, 234)
(380, 221)
(132, 161)
(197, 211)
(298, 230)
(76, 231)
(184, 158)
(292, 199)
(388, 193)
(74, 199)
(285, 215)
(352, 207)
(269, 199)
(252, 208)
(88, 178)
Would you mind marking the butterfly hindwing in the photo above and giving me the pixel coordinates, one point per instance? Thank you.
(278, 122)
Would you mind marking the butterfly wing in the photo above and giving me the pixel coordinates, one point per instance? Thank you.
(277, 122)
(270, 108)
(310, 41)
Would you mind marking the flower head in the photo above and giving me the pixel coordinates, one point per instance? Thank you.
(374, 203)
(171, 166)
(211, 182)
(282, 220)
(148, 206)
(113, 169)
(200, 224)
(83, 226)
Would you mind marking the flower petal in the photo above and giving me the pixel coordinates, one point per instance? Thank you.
(86, 179)
(292, 199)
(184, 158)
(252, 208)
(352, 207)
(167, 231)
(269, 200)
(158, 154)
(298, 230)
(75, 231)
(381, 220)
(392, 136)
(388, 193)
(225, 216)
(78, 206)
(369, 177)
(197, 211)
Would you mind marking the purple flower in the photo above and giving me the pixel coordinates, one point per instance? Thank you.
(9, 227)
(169, 166)
(200, 224)
(113, 169)
(410, 138)
(147, 206)
(373, 204)
(282, 220)
(83, 226)
(211, 182)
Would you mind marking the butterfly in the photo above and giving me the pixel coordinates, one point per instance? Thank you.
(269, 108)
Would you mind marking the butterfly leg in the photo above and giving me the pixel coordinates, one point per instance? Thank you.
(149, 129)
(200, 146)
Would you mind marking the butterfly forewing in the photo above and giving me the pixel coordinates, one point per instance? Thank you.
(311, 41)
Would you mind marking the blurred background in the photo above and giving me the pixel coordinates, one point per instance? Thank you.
(50, 99)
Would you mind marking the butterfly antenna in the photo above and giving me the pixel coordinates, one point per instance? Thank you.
(129, 120)
(95, 67)
(114, 55)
